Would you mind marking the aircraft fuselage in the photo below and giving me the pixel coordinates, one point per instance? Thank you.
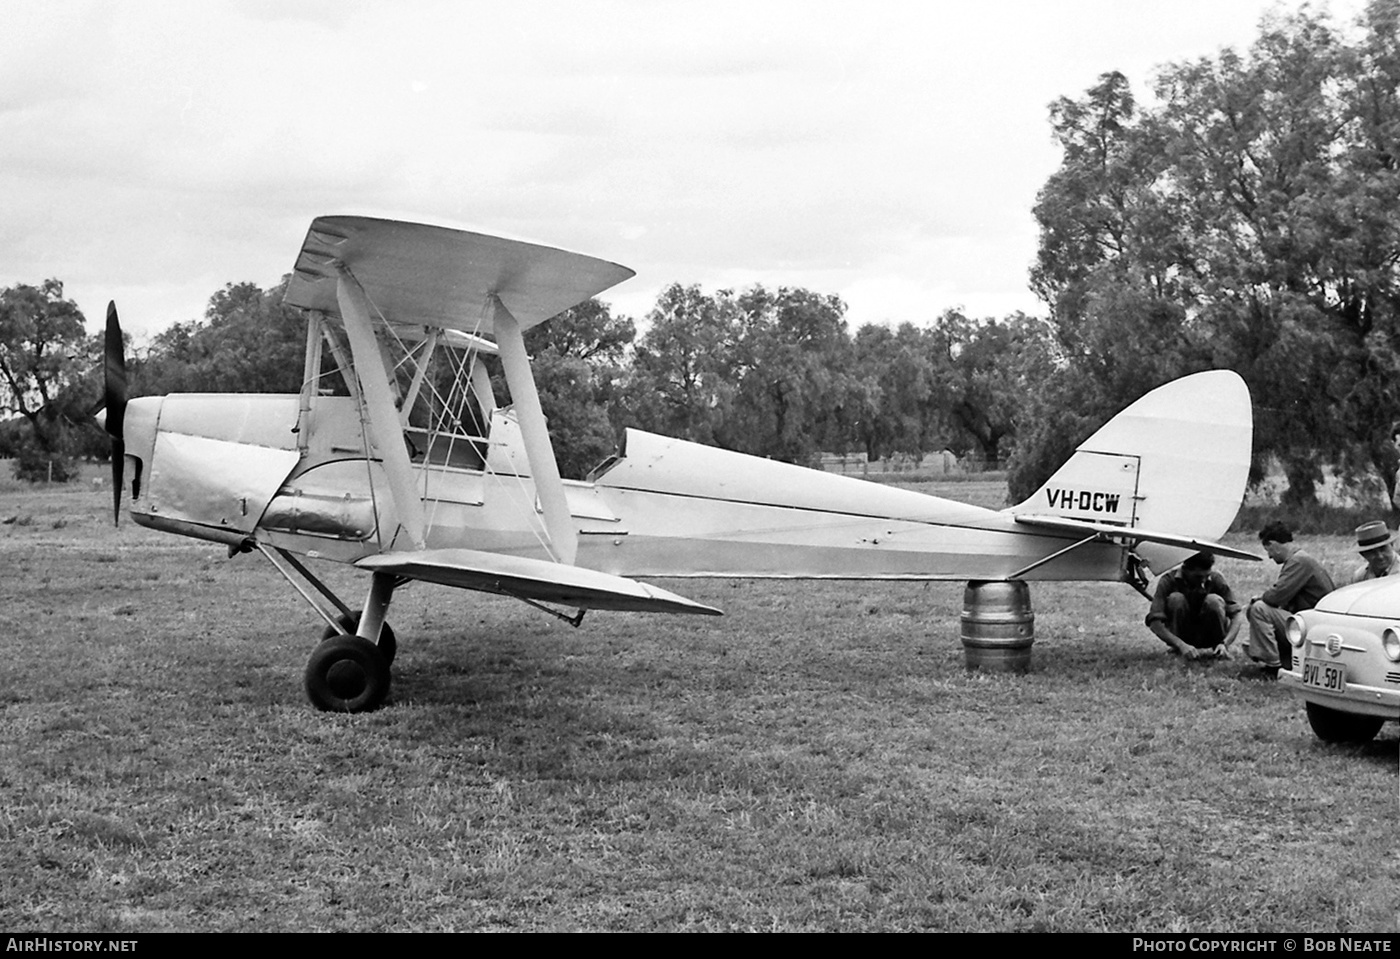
(239, 467)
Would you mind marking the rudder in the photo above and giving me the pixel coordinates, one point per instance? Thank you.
(1176, 460)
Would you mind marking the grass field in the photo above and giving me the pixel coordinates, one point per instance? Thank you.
(817, 759)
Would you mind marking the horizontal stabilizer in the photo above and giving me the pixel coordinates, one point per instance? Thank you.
(532, 579)
(1131, 535)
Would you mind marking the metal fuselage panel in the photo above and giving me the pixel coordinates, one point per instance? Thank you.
(210, 463)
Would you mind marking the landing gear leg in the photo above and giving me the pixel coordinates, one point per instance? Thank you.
(346, 625)
(350, 673)
(381, 592)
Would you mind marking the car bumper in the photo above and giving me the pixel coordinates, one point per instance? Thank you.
(1362, 700)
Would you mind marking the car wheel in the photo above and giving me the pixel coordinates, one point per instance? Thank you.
(388, 642)
(1335, 726)
(347, 674)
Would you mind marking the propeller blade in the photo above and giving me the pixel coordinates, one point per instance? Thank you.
(118, 466)
(114, 399)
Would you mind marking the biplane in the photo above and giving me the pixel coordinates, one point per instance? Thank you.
(396, 457)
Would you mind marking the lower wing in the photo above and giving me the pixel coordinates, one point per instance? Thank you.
(532, 579)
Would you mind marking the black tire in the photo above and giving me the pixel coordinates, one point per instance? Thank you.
(388, 642)
(1334, 726)
(347, 674)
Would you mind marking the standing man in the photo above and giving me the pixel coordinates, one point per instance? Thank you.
(1377, 548)
(1301, 583)
(1193, 610)
(1395, 441)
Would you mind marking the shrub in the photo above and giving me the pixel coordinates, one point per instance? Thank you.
(37, 466)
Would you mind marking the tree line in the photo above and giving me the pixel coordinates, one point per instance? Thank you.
(1246, 217)
(774, 373)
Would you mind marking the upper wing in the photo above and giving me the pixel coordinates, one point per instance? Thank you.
(435, 276)
(1130, 534)
(534, 579)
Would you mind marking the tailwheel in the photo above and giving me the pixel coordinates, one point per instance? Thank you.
(347, 674)
(388, 643)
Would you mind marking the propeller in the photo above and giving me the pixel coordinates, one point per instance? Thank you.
(114, 399)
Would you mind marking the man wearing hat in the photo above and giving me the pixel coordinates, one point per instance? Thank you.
(1377, 548)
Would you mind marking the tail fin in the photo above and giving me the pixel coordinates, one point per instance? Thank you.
(1175, 461)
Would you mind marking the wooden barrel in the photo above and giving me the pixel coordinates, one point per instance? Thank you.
(998, 626)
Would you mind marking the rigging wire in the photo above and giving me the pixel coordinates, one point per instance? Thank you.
(444, 420)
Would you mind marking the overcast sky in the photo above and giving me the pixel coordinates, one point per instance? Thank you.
(887, 152)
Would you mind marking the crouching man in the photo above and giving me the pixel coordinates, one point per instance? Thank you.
(1194, 611)
(1302, 581)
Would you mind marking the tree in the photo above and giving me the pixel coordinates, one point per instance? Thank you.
(685, 368)
(42, 341)
(988, 374)
(796, 366)
(1108, 267)
(1366, 232)
(577, 361)
(958, 383)
(895, 391)
(1102, 220)
(1256, 159)
(1251, 220)
(248, 342)
(765, 372)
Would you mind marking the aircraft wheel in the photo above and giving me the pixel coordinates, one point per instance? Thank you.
(388, 643)
(347, 674)
(1335, 726)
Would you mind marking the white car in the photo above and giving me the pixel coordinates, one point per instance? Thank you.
(1346, 660)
